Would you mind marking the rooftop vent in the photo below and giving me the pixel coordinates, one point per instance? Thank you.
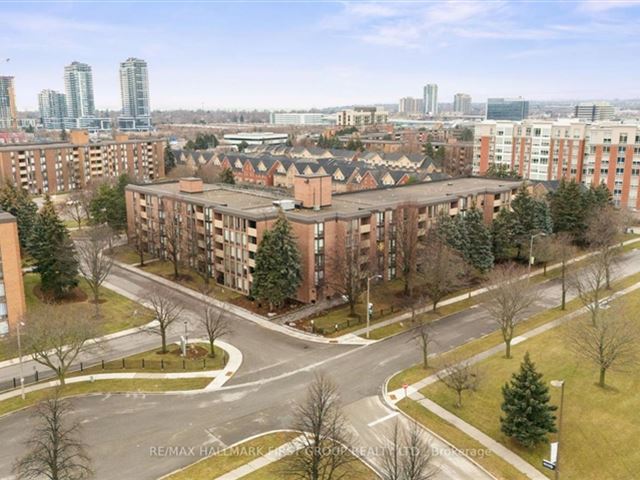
(285, 204)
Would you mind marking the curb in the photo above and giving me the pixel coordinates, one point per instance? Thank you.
(239, 311)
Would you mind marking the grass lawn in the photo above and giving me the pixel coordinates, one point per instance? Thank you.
(198, 359)
(600, 426)
(417, 373)
(100, 386)
(190, 279)
(356, 471)
(226, 461)
(473, 449)
(117, 312)
(127, 254)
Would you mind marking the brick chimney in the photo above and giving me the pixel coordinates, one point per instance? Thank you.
(312, 191)
(191, 185)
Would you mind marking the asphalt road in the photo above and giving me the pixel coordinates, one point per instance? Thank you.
(124, 432)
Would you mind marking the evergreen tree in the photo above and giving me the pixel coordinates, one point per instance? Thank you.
(18, 203)
(226, 176)
(478, 246)
(278, 273)
(569, 209)
(243, 145)
(109, 205)
(54, 253)
(452, 230)
(169, 159)
(531, 216)
(503, 232)
(528, 414)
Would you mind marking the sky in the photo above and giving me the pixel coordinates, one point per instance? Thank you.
(302, 54)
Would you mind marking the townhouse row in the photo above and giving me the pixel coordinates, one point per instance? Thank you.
(591, 153)
(218, 228)
(59, 167)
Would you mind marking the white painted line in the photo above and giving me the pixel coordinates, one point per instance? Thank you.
(383, 419)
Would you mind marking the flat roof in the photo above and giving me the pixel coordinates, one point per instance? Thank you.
(259, 202)
(53, 144)
(256, 135)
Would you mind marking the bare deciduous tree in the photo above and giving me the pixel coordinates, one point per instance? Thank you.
(348, 271)
(611, 343)
(459, 376)
(136, 240)
(171, 233)
(509, 294)
(406, 229)
(55, 451)
(408, 455)
(75, 208)
(423, 336)
(590, 282)
(564, 251)
(167, 310)
(215, 324)
(93, 262)
(56, 341)
(325, 453)
(441, 267)
(603, 233)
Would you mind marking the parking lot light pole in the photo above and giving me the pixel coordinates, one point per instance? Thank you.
(22, 393)
(368, 293)
(559, 384)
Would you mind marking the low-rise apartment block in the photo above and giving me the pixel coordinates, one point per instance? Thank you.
(361, 117)
(12, 301)
(219, 227)
(61, 167)
(592, 153)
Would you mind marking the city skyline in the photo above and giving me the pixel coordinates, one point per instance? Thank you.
(197, 46)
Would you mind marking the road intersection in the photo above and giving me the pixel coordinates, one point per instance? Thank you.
(123, 429)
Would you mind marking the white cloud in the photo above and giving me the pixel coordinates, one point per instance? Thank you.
(599, 6)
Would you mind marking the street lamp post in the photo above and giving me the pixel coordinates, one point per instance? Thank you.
(22, 394)
(541, 234)
(369, 313)
(559, 384)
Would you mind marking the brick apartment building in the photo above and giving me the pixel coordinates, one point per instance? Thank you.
(61, 167)
(591, 153)
(12, 301)
(220, 226)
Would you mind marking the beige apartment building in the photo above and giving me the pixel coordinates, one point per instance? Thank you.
(219, 227)
(12, 301)
(591, 153)
(62, 167)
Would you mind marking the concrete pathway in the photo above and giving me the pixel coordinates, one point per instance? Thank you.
(413, 392)
(458, 298)
(219, 377)
(268, 458)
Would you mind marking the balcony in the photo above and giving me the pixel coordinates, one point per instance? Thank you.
(365, 228)
(252, 232)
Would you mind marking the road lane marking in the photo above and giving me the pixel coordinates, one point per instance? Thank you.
(383, 419)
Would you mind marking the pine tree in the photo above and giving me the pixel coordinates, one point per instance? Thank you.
(226, 176)
(503, 231)
(169, 159)
(278, 273)
(54, 253)
(569, 209)
(531, 215)
(528, 414)
(18, 203)
(478, 246)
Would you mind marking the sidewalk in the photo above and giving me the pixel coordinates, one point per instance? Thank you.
(459, 298)
(270, 457)
(413, 392)
(239, 311)
(219, 377)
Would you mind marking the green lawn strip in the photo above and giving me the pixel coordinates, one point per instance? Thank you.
(472, 448)
(117, 312)
(600, 426)
(154, 361)
(191, 279)
(274, 471)
(127, 254)
(416, 373)
(104, 386)
(226, 461)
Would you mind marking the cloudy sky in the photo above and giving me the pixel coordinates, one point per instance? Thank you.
(260, 54)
